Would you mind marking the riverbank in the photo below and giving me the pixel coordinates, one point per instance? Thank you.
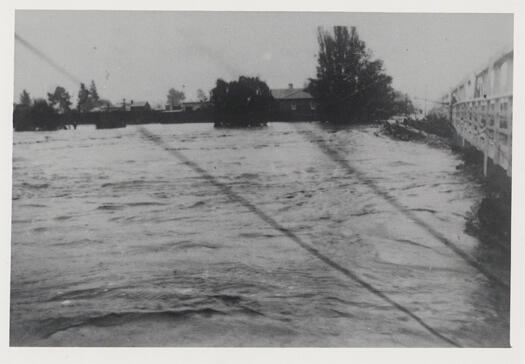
(490, 220)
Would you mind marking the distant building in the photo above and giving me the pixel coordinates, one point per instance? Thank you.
(170, 107)
(194, 105)
(158, 107)
(131, 106)
(103, 105)
(115, 108)
(139, 106)
(121, 106)
(293, 100)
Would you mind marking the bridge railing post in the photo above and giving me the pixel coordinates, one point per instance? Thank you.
(485, 159)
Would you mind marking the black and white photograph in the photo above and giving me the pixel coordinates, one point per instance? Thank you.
(261, 179)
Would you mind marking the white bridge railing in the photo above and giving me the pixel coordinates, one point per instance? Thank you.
(486, 123)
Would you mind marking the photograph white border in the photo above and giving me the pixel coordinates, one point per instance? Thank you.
(265, 355)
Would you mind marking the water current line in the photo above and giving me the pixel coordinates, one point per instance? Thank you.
(342, 162)
(233, 196)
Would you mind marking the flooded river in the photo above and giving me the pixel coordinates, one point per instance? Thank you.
(115, 242)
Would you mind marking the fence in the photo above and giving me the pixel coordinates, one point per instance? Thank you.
(487, 125)
(481, 111)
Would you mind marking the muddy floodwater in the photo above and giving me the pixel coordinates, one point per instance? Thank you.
(116, 242)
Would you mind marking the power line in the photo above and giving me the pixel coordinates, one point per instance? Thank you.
(47, 59)
(336, 157)
(233, 196)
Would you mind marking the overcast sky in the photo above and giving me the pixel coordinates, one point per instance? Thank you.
(140, 55)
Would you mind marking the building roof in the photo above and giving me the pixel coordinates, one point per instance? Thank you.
(195, 103)
(139, 104)
(290, 94)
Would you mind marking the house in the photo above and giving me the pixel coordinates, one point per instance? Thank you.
(158, 108)
(169, 107)
(294, 100)
(129, 106)
(194, 105)
(103, 105)
(139, 106)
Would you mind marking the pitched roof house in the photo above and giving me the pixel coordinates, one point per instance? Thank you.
(290, 93)
(194, 105)
(139, 106)
(293, 100)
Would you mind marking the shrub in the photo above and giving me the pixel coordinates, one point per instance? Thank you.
(242, 103)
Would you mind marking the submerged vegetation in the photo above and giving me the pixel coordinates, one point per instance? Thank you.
(36, 115)
(242, 103)
(53, 113)
(433, 127)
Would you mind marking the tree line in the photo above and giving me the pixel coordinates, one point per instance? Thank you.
(41, 114)
(350, 86)
(60, 99)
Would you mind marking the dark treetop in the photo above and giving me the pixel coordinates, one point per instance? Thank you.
(242, 103)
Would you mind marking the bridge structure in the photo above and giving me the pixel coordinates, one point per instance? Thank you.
(480, 109)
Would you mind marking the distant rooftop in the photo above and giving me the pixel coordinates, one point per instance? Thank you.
(290, 93)
(139, 104)
(195, 102)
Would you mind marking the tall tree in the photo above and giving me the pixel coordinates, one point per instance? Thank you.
(93, 95)
(175, 98)
(350, 86)
(25, 99)
(60, 100)
(83, 99)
